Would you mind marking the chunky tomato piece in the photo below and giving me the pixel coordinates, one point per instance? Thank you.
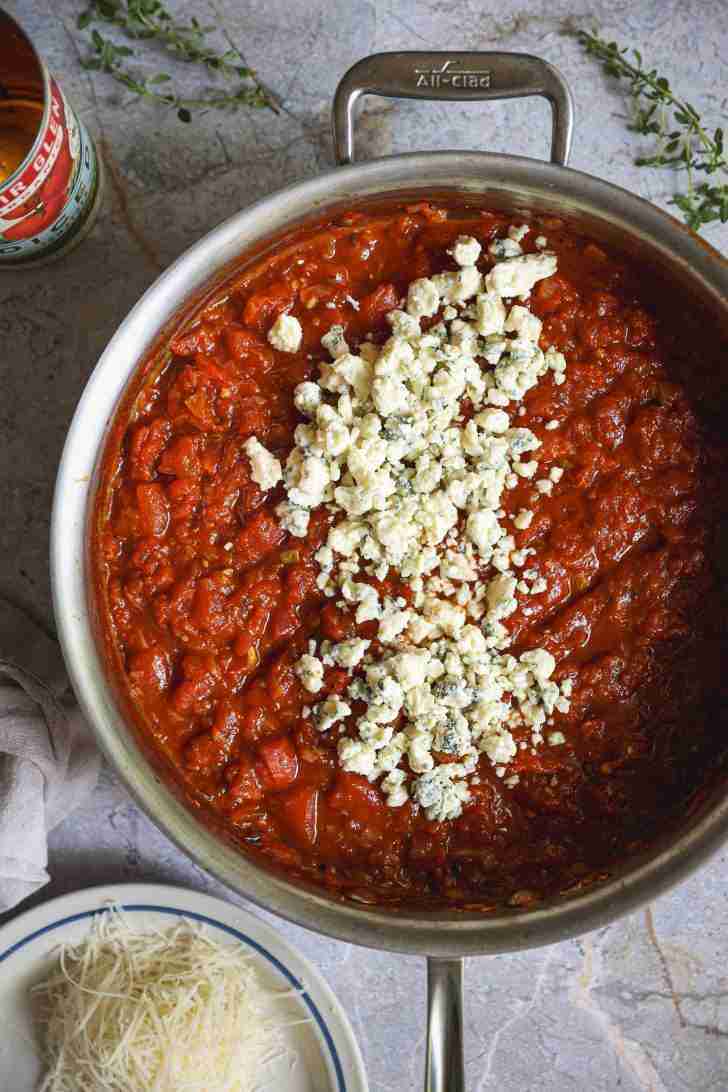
(300, 583)
(378, 303)
(146, 444)
(182, 458)
(253, 417)
(212, 611)
(208, 752)
(358, 798)
(153, 509)
(262, 307)
(257, 721)
(284, 623)
(200, 676)
(247, 348)
(261, 534)
(279, 763)
(244, 789)
(336, 680)
(337, 624)
(298, 810)
(149, 670)
(199, 340)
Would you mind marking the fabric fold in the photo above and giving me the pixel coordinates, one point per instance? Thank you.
(48, 761)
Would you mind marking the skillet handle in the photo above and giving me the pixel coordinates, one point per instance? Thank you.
(456, 76)
(444, 1067)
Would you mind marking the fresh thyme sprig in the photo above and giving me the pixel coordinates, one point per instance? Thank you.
(683, 142)
(144, 20)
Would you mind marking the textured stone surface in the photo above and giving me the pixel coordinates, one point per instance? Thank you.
(642, 1004)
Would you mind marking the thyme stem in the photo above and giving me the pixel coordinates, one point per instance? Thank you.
(689, 146)
(149, 20)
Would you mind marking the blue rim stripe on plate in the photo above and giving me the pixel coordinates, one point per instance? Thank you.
(298, 986)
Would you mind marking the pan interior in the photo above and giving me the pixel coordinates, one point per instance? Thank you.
(519, 186)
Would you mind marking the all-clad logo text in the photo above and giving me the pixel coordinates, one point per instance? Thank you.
(449, 76)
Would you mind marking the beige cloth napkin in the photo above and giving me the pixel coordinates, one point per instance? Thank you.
(48, 761)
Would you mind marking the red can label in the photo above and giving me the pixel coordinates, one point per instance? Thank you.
(48, 201)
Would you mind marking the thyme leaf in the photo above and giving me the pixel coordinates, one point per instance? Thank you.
(149, 20)
(682, 141)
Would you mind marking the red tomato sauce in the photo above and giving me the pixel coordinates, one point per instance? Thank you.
(206, 604)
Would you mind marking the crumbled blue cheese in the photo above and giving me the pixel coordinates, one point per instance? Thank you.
(516, 276)
(518, 232)
(492, 420)
(328, 712)
(521, 322)
(403, 324)
(286, 334)
(392, 623)
(265, 468)
(442, 792)
(419, 489)
(310, 671)
(423, 298)
(523, 519)
(335, 342)
(349, 653)
(504, 248)
(307, 398)
(458, 287)
(490, 317)
(307, 478)
(526, 469)
(293, 518)
(395, 789)
(466, 250)
(556, 361)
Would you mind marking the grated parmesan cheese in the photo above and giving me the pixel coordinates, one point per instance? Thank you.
(164, 1011)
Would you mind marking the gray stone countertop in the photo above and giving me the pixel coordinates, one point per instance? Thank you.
(641, 1004)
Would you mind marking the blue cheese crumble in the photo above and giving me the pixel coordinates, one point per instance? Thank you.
(286, 334)
(265, 469)
(417, 489)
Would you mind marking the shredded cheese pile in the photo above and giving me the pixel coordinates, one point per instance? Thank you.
(163, 1011)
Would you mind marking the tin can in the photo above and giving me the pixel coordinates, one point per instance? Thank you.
(50, 174)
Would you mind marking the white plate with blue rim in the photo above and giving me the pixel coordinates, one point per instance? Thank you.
(326, 1057)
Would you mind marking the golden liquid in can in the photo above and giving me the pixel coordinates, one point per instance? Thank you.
(19, 123)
